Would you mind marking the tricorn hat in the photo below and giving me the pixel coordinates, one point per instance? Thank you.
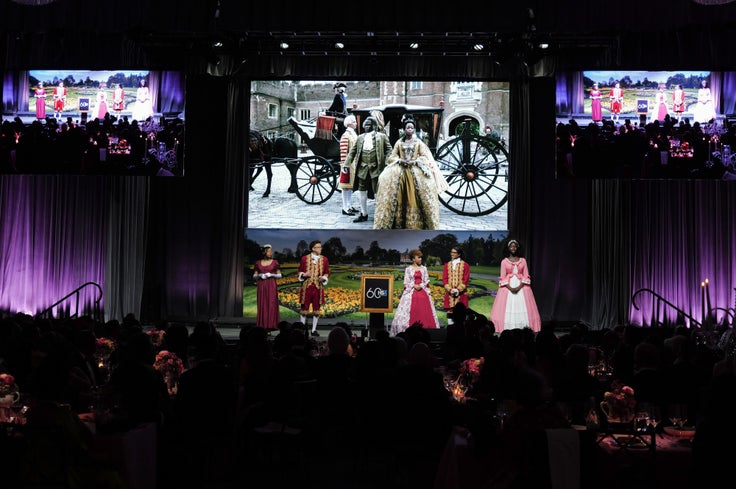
(339, 85)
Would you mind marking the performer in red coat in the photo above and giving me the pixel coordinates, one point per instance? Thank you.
(617, 101)
(59, 99)
(455, 277)
(314, 273)
(118, 100)
(678, 101)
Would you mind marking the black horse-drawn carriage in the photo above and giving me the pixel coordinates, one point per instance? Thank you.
(474, 166)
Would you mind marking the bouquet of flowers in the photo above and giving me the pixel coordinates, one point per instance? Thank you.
(170, 366)
(105, 347)
(620, 401)
(157, 336)
(471, 369)
(168, 362)
(469, 374)
(7, 384)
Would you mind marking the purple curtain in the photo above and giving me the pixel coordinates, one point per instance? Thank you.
(52, 231)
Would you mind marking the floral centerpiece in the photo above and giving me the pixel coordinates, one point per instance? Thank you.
(105, 347)
(7, 384)
(170, 366)
(619, 403)
(8, 391)
(469, 374)
(157, 336)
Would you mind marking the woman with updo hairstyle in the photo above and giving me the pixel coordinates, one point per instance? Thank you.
(514, 306)
(409, 186)
(416, 305)
(265, 272)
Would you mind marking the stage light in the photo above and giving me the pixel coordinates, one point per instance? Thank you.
(543, 45)
(478, 47)
(217, 44)
(339, 45)
(284, 45)
(414, 45)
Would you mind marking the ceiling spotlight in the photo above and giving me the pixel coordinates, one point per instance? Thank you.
(284, 45)
(478, 47)
(414, 45)
(339, 45)
(217, 44)
(543, 45)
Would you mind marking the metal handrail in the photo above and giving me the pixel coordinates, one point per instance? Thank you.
(661, 300)
(75, 292)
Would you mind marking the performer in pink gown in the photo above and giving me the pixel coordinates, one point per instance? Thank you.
(416, 303)
(595, 103)
(661, 102)
(514, 306)
(40, 94)
(101, 102)
(265, 272)
(314, 273)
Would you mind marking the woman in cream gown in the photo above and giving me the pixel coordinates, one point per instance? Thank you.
(409, 186)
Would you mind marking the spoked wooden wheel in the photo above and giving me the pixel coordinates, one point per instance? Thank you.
(316, 180)
(476, 169)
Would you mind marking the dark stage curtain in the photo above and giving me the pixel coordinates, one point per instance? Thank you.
(127, 234)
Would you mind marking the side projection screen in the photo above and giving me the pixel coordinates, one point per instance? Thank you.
(646, 124)
(93, 122)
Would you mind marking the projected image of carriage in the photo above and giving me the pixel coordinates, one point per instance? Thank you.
(474, 166)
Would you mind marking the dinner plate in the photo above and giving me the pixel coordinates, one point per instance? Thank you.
(685, 431)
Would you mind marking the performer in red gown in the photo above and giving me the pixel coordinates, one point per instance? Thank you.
(416, 304)
(455, 277)
(265, 272)
(314, 273)
(40, 94)
(617, 101)
(59, 99)
(595, 103)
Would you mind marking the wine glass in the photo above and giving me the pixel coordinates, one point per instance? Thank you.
(655, 417)
(677, 415)
(641, 418)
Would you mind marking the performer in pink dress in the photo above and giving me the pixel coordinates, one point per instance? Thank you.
(595, 103)
(514, 306)
(101, 102)
(661, 101)
(40, 94)
(314, 273)
(265, 272)
(455, 277)
(415, 305)
(617, 101)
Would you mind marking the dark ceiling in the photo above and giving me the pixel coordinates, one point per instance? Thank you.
(657, 34)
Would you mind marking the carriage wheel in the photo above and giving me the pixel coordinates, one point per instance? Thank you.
(316, 179)
(476, 169)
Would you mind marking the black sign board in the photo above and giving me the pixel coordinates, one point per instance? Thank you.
(376, 293)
